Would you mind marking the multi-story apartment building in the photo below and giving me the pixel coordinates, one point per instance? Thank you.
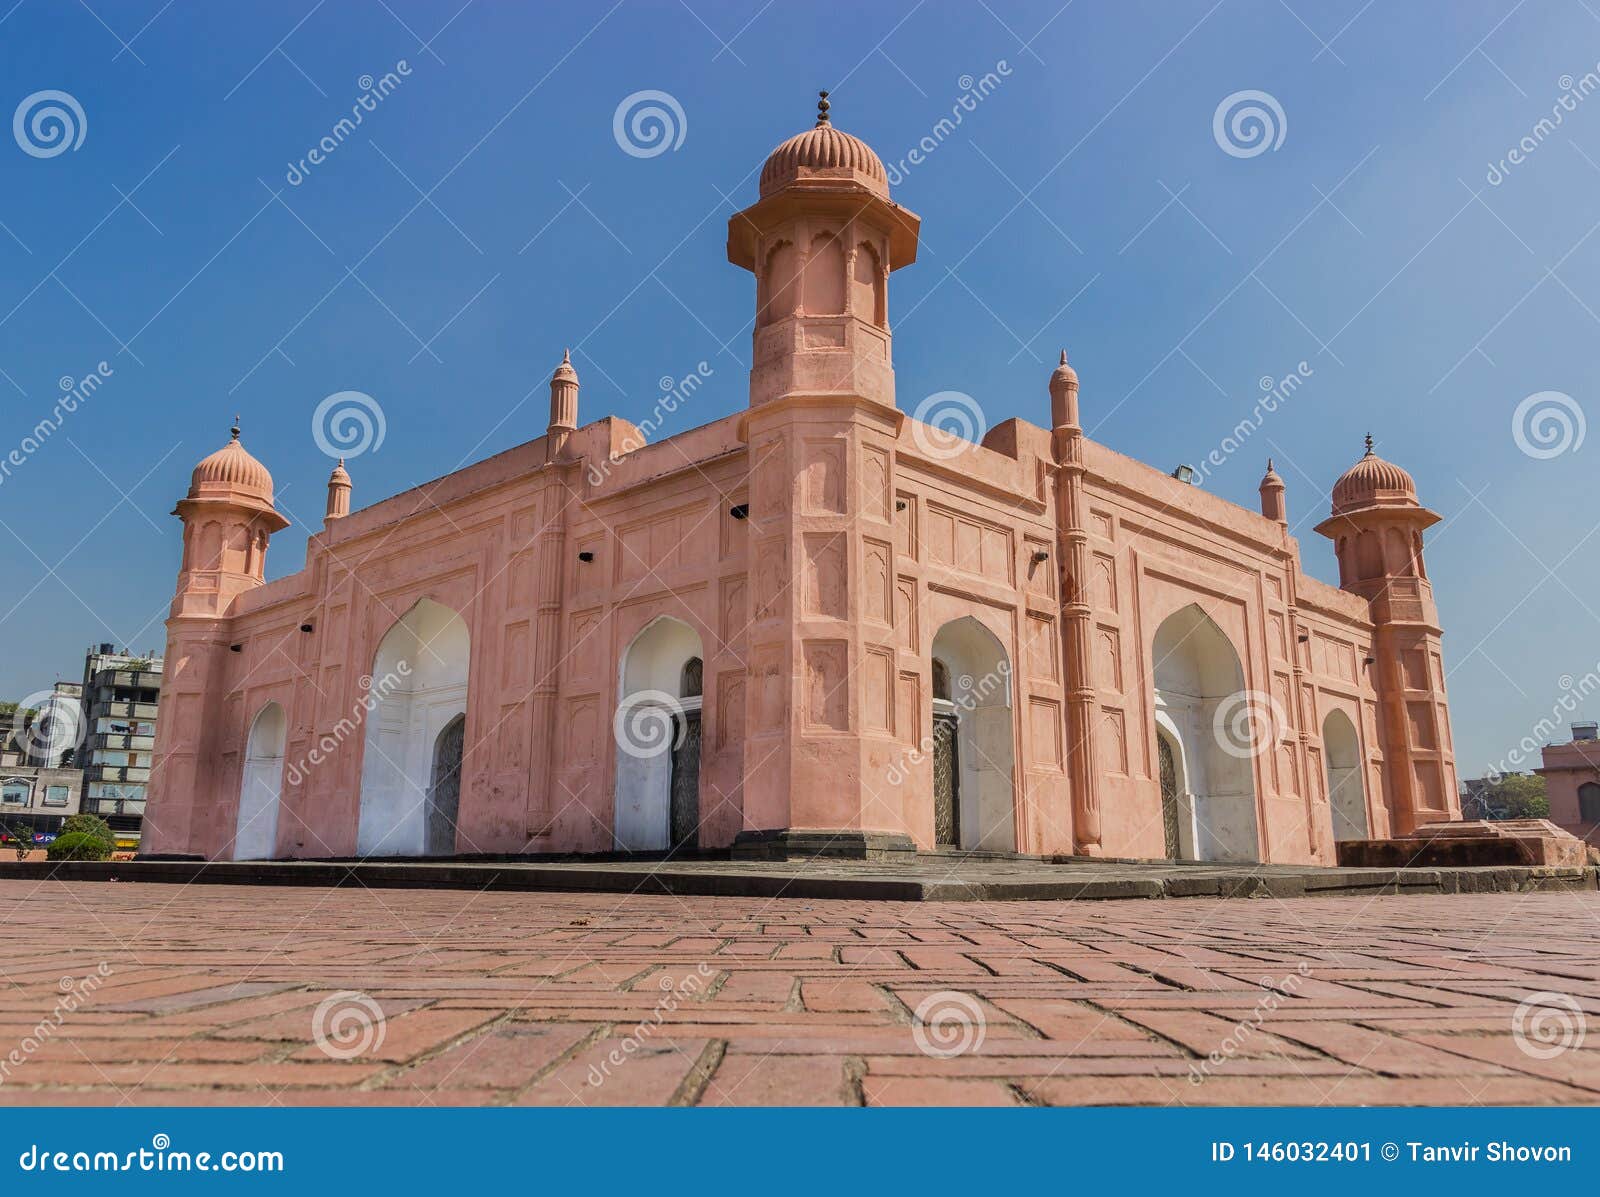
(121, 692)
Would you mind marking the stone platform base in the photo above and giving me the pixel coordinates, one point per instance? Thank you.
(823, 845)
(921, 879)
(1472, 843)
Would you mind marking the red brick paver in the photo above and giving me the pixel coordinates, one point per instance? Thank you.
(167, 994)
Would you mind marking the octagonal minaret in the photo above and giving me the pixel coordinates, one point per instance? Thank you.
(823, 665)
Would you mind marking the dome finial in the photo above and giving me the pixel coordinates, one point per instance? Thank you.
(1269, 465)
(1063, 357)
(1369, 444)
(822, 109)
(235, 429)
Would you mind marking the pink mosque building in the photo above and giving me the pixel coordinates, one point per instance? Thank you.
(815, 626)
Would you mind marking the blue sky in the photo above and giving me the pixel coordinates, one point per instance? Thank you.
(1085, 202)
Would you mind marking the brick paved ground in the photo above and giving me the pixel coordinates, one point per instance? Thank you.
(211, 993)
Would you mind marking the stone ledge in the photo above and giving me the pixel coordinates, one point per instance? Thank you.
(920, 879)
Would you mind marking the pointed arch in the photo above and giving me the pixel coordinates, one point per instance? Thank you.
(1199, 696)
(255, 835)
(657, 731)
(824, 276)
(1346, 794)
(419, 687)
(971, 666)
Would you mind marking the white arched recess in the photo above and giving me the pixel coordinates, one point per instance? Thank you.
(651, 703)
(419, 678)
(256, 836)
(1196, 670)
(980, 699)
(1346, 794)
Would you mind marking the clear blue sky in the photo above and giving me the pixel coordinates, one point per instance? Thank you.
(1426, 302)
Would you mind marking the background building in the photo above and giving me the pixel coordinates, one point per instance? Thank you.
(1571, 774)
(35, 800)
(121, 694)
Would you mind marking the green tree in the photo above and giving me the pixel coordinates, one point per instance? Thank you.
(79, 845)
(90, 825)
(1516, 796)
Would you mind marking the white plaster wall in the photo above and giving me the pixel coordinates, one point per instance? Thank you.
(653, 663)
(1345, 795)
(256, 834)
(980, 687)
(397, 767)
(1197, 671)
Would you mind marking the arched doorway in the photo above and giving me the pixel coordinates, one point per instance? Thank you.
(1199, 681)
(256, 835)
(657, 729)
(973, 742)
(1177, 826)
(1346, 796)
(419, 680)
(444, 790)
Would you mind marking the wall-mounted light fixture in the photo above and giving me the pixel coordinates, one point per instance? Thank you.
(586, 556)
(1184, 474)
(306, 627)
(236, 648)
(740, 511)
(899, 504)
(1040, 556)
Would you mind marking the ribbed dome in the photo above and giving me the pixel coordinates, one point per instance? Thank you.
(823, 151)
(231, 468)
(1372, 480)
